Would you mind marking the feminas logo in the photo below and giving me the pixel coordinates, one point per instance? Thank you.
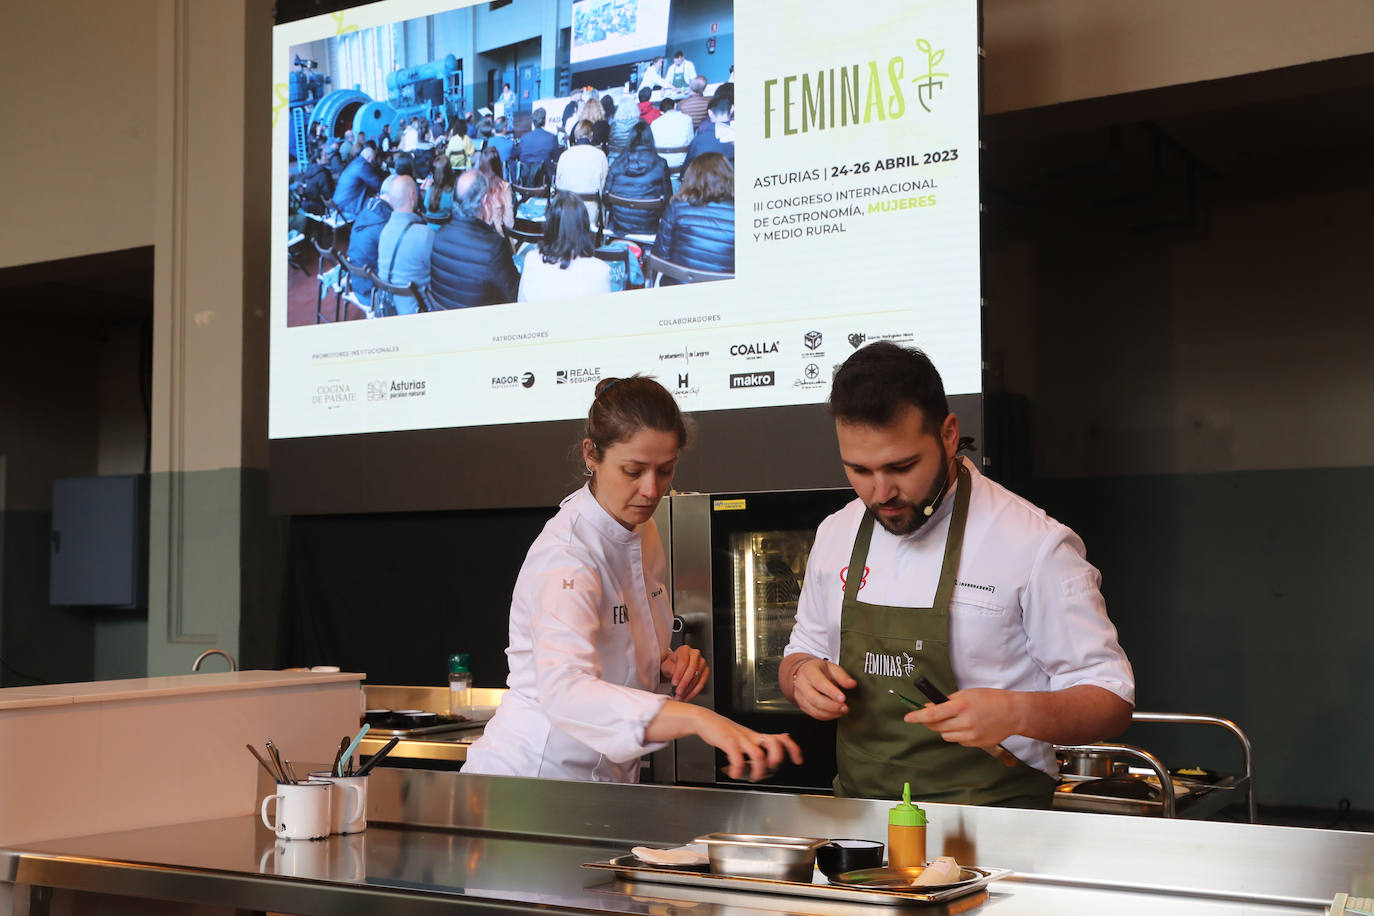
(751, 380)
(889, 665)
(577, 376)
(754, 350)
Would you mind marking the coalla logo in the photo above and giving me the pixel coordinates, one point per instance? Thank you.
(751, 380)
(754, 350)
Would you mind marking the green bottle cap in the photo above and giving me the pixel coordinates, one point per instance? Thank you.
(460, 663)
(906, 814)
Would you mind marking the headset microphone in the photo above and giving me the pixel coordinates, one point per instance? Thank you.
(930, 509)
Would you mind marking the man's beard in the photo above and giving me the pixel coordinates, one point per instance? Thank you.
(915, 517)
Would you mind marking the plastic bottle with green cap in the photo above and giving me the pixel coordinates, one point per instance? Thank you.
(459, 683)
(906, 833)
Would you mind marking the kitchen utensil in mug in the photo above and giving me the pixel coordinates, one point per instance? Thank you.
(349, 805)
(377, 757)
(348, 754)
(303, 810)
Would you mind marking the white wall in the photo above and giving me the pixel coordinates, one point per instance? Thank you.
(78, 110)
(1041, 52)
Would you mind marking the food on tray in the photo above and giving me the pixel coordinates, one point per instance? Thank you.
(691, 854)
(943, 870)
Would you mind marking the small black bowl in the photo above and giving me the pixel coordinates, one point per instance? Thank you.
(840, 856)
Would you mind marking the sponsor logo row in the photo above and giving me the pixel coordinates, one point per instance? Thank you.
(337, 393)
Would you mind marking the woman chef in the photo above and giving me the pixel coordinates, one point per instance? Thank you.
(590, 620)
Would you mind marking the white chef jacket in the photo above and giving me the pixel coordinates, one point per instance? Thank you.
(1026, 613)
(590, 622)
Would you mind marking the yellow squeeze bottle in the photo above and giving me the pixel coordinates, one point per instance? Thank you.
(906, 833)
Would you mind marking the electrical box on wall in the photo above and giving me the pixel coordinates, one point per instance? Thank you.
(98, 554)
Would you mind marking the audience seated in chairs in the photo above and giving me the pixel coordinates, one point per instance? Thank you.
(460, 148)
(625, 118)
(698, 228)
(648, 111)
(334, 160)
(536, 152)
(498, 210)
(403, 252)
(672, 129)
(404, 164)
(695, 104)
(316, 185)
(717, 135)
(638, 173)
(359, 179)
(582, 169)
(565, 266)
(501, 140)
(471, 264)
(366, 237)
(439, 197)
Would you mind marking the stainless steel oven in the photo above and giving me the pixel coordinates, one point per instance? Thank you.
(738, 561)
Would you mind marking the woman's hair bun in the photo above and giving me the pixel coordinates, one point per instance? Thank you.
(605, 384)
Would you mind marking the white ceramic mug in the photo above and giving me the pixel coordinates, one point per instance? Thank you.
(298, 860)
(303, 810)
(348, 857)
(349, 804)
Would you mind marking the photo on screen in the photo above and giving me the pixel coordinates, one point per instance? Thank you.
(416, 186)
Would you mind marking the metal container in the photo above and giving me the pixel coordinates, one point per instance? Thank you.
(1095, 764)
(748, 855)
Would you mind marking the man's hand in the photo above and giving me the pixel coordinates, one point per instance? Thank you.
(978, 717)
(982, 716)
(818, 688)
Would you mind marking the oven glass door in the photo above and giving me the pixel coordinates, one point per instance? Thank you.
(759, 547)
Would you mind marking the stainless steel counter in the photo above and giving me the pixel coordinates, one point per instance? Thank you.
(446, 839)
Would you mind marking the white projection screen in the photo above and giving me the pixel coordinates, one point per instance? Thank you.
(855, 143)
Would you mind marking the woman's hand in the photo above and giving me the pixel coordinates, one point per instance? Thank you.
(752, 755)
(685, 667)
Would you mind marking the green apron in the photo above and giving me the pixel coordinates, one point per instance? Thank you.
(886, 648)
(680, 77)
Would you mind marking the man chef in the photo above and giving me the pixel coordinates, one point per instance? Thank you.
(937, 571)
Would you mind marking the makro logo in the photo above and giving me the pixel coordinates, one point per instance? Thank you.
(577, 376)
(754, 350)
(813, 340)
(751, 380)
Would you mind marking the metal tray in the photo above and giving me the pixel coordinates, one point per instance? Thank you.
(629, 868)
